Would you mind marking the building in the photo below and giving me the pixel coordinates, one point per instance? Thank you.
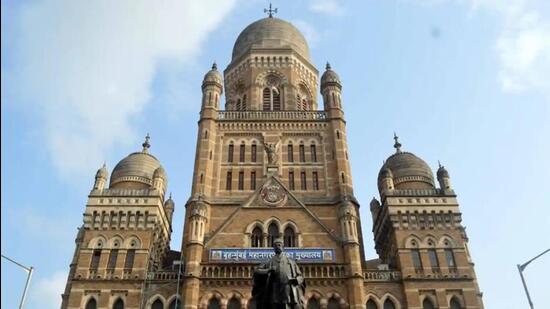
(271, 164)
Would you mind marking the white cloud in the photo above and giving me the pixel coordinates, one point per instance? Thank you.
(523, 44)
(46, 292)
(330, 7)
(87, 66)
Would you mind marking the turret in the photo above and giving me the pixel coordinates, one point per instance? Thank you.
(348, 220)
(374, 208)
(443, 178)
(197, 219)
(212, 89)
(169, 207)
(331, 89)
(160, 180)
(385, 180)
(101, 178)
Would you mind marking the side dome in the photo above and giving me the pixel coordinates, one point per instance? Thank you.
(329, 77)
(408, 171)
(135, 171)
(270, 33)
(213, 76)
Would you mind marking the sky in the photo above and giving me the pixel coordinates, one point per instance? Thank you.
(466, 82)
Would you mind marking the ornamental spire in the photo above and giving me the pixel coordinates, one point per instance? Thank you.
(328, 66)
(270, 11)
(146, 144)
(397, 144)
(214, 66)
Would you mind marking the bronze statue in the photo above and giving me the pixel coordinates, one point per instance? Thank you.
(279, 284)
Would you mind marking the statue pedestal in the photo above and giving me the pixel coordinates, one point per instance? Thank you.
(272, 169)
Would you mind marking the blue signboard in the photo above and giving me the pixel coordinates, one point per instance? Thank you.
(244, 255)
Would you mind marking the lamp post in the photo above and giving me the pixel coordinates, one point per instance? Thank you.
(521, 268)
(29, 271)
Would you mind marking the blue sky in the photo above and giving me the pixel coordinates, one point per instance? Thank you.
(466, 82)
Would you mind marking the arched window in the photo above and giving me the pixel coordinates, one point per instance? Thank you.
(252, 180)
(234, 303)
(371, 304)
(230, 153)
(228, 181)
(256, 240)
(455, 304)
(175, 304)
(427, 304)
(214, 303)
(315, 181)
(333, 303)
(157, 304)
(388, 304)
(302, 152)
(313, 303)
(239, 105)
(417, 261)
(253, 153)
(92, 304)
(271, 99)
(241, 152)
(119, 304)
(313, 153)
(273, 233)
(113, 255)
(129, 262)
(290, 153)
(289, 238)
(241, 181)
(449, 256)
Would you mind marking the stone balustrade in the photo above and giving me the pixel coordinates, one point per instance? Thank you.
(246, 271)
(279, 115)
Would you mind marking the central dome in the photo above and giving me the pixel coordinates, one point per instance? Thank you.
(270, 33)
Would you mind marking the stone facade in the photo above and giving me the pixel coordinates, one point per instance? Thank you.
(271, 165)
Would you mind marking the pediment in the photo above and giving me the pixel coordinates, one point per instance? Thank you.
(272, 193)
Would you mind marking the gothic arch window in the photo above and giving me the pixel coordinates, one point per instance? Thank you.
(214, 303)
(96, 255)
(241, 181)
(313, 303)
(427, 304)
(253, 152)
(289, 238)
(272, 233)
(302, 152)
(388, 304)
(157, 304)
(371, 304)
(315, 181)
(337, 134)
(230, 152)
(205, 134)
(129, 262)
(303, 183)
(256, 239)
(175, 304)
(455, 304)
(333, 303)
(242, 149)
(253, 180)
(290, 152)
(449, 256)
(119, 304)
(234, 303)
(92, 304)
(313, 152)
(113, 255)
(271, 99)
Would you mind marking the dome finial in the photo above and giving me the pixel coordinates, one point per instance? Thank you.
(396, 145)
(170, 197)
(270, 11)
(146, 144)
(328, 66)
(439, 163)
(214, 66)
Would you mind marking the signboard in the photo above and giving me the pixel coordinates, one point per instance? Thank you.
(245, 255)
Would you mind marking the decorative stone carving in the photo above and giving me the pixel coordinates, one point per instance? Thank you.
(273, 195)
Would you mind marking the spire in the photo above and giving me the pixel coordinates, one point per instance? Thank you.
(328, 66)
(146, 144)
(270, 11)
(439, 163)
(214, 66)
(396, 145)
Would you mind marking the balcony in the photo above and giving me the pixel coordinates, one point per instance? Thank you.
(281, 115)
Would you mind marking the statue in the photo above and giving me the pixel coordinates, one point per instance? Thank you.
(279, 284)
(271, 150)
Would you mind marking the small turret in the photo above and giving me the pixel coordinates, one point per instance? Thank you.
(443, 178)
(331, 89)
(374, 208)
(197, 219)
(160, 180)
(212, 88)
(347, 214)
(169, 207)
(101, 178)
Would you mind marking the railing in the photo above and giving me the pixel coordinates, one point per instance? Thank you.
(280, 115)
(246, 271)
(382, 275)
(163, 275)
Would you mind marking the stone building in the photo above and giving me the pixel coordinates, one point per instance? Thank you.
(271, 164)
